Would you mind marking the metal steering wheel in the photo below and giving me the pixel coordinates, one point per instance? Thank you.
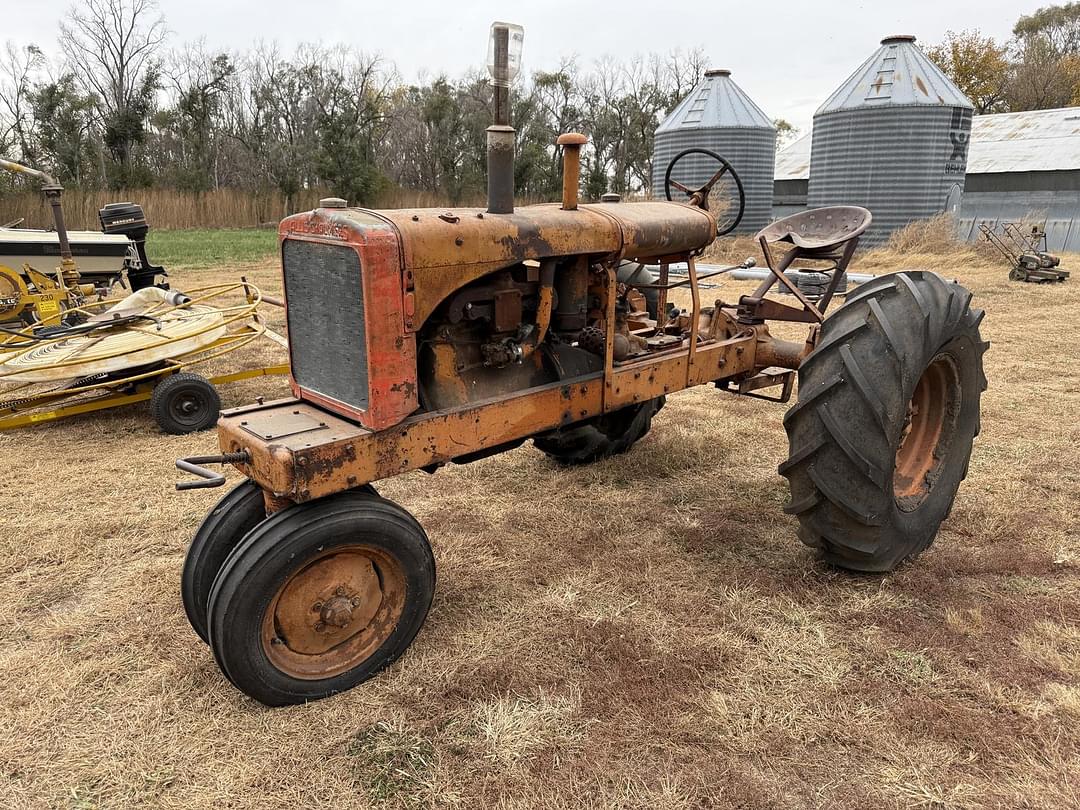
(726, 223)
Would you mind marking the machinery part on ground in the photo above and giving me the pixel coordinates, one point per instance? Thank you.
(320, 597)
(888, 408)
(813, 284)
(733, 202)
(1025, 251)
(125, 219)
(185, 403)
(82, 351)
(29, 298)
(105, 354)
(761, 275)
(603, 437)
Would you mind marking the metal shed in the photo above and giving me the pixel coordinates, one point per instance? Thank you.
(1026, 166)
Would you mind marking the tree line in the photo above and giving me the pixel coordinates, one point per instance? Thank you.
(1037, 69)
(124, 110)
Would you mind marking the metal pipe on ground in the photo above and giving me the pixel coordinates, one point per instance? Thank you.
(761, 275)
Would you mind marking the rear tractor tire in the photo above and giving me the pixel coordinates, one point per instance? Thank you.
(888, 409)
(320, 597)
(602, 437)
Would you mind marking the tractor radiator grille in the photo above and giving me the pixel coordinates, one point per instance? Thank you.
(327, 341)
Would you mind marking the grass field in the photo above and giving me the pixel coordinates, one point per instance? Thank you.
(197, 248)
(644, 632)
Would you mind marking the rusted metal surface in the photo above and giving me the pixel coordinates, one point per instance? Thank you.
(334, 612)
(443, 256)
(344, 455)
(339, 454)
(825, 235)
(932, 417)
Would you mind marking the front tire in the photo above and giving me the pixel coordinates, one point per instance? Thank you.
(319, 597)
(224, 526)
(888, 409)
(602, 437)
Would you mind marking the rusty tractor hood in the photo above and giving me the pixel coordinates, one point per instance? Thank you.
(444, 249)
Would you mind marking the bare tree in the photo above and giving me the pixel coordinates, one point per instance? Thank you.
(18, 67)
(112, 47)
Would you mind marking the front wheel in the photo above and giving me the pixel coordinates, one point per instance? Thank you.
(320, 597)
(888, 409)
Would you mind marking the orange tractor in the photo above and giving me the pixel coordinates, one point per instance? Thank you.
(420, 338)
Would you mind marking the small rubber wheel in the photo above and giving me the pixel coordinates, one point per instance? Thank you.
(888, 409)
(602, 437)
(185, 403)
(319, 597)
(224, 526)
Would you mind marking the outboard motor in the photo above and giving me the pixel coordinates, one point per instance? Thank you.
(128, 219)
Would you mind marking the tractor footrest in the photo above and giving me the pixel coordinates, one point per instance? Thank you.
(784, 378)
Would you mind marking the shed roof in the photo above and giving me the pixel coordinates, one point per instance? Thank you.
(1033, 141)
(715, 102)
(793, 161)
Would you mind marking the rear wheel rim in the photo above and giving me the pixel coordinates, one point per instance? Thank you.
(932, 417)
(334, 612)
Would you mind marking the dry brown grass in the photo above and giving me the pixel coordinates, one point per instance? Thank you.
(644, 632)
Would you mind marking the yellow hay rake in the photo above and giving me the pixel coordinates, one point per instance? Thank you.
(96, 356)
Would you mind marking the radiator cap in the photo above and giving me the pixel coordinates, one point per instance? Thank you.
(333, 202)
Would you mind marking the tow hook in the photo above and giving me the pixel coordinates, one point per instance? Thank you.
(209, 478)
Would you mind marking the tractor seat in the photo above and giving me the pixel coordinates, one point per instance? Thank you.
(819, 230)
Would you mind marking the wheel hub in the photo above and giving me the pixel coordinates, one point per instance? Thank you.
(926, 437)
(334, 612)
(337, 611)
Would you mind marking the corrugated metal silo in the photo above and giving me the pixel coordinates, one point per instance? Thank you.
(719, 116)
(892, 138)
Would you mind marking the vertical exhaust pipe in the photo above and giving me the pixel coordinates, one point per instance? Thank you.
(571, 143)
(503, 64)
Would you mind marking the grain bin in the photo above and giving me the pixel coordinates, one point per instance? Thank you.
(892, 138)
(719, 116)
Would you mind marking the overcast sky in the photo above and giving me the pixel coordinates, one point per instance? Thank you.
(787, 55)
